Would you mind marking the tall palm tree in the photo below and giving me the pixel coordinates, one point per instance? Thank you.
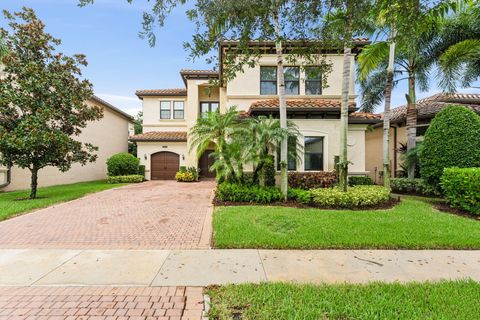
(412, 62)
(216, 129)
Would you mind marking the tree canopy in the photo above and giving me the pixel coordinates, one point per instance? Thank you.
(43, 100)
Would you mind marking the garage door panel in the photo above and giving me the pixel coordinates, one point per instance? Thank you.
(164, 165)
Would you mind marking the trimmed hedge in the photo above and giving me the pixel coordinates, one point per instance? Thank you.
(417, 186)
(452, 140)
(247, 193)
(462, 188)
(122, 164)
(311, 180)
(299, 195)
(355, 197)
(360, 181)
(133, 178)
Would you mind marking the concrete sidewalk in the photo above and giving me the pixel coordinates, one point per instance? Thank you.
(55, 267)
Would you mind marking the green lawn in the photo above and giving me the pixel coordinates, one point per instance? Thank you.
(412, 224)
(442, 300)
(10, 205)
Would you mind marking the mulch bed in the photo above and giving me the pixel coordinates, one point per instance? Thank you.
(444, 207)
(293, 204)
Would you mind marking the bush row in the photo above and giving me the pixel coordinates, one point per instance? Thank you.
(360, 181)
(355, 197)
(417, 186)
(133, 178)
(247, 193)
(462, 188)
(311, 180)
(358, 196)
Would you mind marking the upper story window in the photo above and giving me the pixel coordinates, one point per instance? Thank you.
(268, 80)
(313, 80)
(208, 107)
(292, 80)
(166, 110)
(178, 110)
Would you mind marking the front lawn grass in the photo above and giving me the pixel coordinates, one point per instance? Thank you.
(11, 206)
(412, 224)
(442, 300)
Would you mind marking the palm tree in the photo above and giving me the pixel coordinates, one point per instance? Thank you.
(457, 49)
(214, 128)
(265, 138)
(412, 62)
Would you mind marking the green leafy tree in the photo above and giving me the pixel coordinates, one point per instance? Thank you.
(451, 140)
(43, 100)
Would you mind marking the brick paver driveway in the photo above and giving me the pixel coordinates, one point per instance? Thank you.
(155, 214)
(101, 303)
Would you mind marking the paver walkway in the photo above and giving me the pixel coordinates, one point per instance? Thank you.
(153, 215)
(158, 268)
(101, 303)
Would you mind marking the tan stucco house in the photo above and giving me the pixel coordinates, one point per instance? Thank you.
(427, 108)
(168, 114)
(110, 134)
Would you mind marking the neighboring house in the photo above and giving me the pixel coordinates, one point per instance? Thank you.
(427, 108)
(168, 114)
(110, 134)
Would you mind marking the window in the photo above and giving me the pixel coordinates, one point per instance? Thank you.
(208, 107)
(292, 155)
(292, 80)
(165, 110)
(178, 110)
(313, 80)
(313, 153)
(268, 80)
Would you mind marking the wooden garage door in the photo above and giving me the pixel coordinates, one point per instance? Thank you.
(164, 165)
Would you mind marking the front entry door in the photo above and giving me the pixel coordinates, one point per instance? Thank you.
(205, 163)
(164, 165)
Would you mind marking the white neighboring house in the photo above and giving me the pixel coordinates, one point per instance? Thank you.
(110, 134)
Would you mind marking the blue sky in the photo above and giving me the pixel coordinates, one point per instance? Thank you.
(119, 61)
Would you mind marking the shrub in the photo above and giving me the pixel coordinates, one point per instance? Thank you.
(268, 172)
(355, 197)
(133, 178)
(360, 181)
(311, 180)
(299, 195)
(462, 188)
(141, 170)
(452, 140)
(187, 174)
(406, 185)
(122, 164)
(247, 193)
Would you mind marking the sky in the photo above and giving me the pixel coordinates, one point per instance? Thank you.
(120, 62)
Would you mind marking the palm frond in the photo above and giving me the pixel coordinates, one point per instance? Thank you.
(370, 58)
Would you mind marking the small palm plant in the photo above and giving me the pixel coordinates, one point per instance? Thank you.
(217, 129)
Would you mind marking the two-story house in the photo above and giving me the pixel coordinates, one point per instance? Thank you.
(168, 114)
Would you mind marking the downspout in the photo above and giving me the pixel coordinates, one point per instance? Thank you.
(9, 178)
